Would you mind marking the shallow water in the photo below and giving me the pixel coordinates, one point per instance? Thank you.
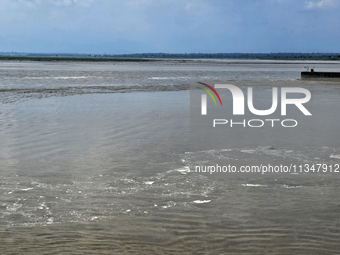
(95, 159)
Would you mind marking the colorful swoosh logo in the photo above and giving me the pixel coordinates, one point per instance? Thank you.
(209, 93)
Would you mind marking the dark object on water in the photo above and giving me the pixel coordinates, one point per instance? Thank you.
(320, 75)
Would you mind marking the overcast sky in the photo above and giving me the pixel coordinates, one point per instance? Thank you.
(175, 26)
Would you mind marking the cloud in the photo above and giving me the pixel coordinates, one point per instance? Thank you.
(323, 4)
(116, 26)
(85, 3)
(138, 3)
(62, 2)
(33, 3)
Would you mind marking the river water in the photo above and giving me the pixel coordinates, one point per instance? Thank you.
(95, 159)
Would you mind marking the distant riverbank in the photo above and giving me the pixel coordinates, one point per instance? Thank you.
(144, 57)
(73, 58)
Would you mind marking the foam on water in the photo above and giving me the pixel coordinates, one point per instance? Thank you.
(201, 201)
(253, 185)
(30, 201)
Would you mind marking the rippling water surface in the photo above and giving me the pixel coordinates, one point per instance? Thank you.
(95, 157)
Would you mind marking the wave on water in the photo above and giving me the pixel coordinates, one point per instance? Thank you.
(31, 201)
(11, 95)
(60, 77)
(176, 208)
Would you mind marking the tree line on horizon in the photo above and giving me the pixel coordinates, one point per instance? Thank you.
(280, 55)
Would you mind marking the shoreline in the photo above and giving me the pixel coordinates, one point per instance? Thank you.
(4, 58)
